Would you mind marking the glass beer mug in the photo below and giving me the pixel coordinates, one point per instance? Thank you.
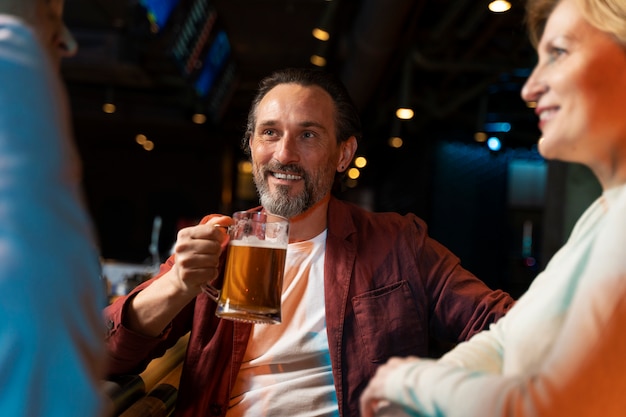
(255, 266)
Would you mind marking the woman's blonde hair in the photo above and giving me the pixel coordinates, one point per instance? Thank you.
(606, 15)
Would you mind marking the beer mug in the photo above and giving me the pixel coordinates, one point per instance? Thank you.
(255, 265)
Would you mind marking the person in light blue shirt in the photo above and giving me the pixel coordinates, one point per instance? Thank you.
(51, 294)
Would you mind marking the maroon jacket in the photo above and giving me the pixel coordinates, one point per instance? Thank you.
(390, 291)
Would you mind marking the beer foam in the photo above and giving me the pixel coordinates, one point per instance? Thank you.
(258, 243)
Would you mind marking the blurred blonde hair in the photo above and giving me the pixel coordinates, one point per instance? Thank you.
(606, 15)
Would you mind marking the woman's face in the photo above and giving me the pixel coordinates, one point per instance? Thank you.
(579, 85)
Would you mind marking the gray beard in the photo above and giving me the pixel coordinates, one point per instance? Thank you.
(281, 203)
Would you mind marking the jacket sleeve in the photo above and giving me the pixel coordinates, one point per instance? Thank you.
(130, 352)
(462, 304)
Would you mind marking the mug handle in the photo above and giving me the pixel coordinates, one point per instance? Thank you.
(211, 291)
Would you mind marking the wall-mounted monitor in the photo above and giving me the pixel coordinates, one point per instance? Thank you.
(159, 11)
(215, 59)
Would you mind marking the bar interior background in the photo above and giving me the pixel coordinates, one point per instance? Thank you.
(160, 91)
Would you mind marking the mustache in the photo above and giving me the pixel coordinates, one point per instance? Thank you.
(289, 168)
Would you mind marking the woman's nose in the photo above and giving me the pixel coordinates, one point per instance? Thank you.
(66, 43)
(533, 87)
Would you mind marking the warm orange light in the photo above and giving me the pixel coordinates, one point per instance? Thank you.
(109, 108)
(480, 137)
(245, 167)
(360, 162)
(404, 113)
(321, 34)
(395, 142)
(499, 6)
(318, 61)
(199, 118)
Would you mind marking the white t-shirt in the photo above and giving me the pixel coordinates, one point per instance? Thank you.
(286, 368)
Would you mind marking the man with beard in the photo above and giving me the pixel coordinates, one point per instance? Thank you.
(359, 286)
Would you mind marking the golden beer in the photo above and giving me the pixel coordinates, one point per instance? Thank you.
(253, 282)
(254, 270)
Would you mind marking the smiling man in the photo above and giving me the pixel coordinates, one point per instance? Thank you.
(359, 286)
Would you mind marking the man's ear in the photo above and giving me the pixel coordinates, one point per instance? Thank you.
(348, 149)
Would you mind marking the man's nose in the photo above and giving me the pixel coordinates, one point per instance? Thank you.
(286, 151)
(66, 43)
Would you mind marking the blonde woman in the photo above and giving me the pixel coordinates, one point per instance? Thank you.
(560, 350)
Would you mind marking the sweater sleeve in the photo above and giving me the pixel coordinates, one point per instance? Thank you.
(583, 373)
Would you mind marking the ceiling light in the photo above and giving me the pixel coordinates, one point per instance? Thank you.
(395, 142)
(318, 61)
(480, 137)
(354, 173)
(405, 111)
(360, 162)
(321, 34)
(142, 140)
(494, 143)
(395, 139)
(109, 102)
(499, 6)
(199, 118)
(109, 108)
(322, 31)
(148, 146)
